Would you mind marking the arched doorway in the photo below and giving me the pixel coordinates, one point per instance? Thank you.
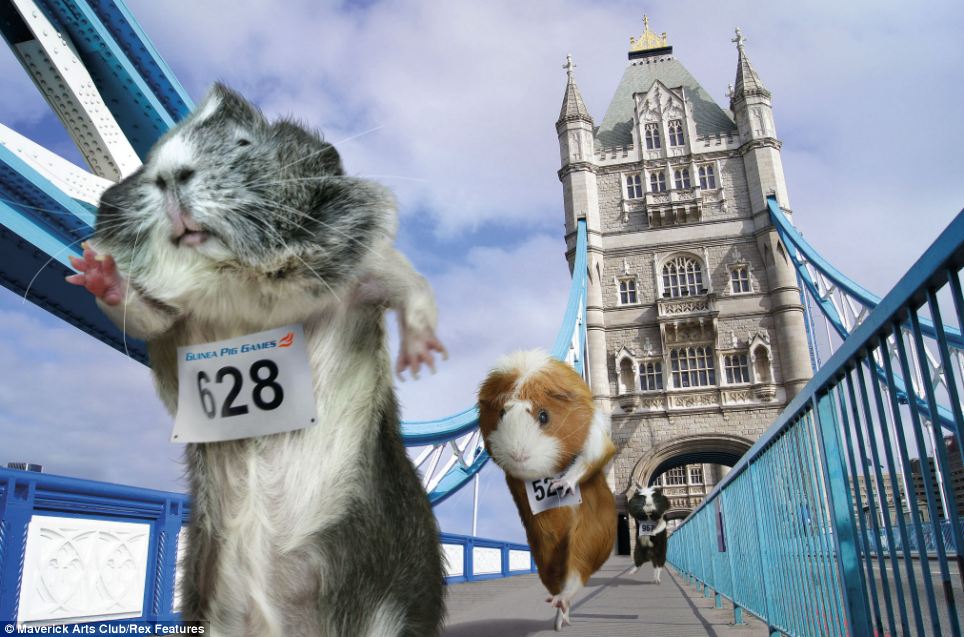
(713, 448)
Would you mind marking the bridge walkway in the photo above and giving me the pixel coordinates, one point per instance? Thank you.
(613, 604)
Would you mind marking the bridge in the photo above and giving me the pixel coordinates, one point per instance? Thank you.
(843, 519)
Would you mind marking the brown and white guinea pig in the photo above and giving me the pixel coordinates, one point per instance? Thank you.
(648, 506)
(540, 425)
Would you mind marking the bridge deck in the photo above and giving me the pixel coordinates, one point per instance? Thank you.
(613, 604)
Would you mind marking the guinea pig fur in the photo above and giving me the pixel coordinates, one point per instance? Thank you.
(649, 506)
(236, 225)
(538, 421)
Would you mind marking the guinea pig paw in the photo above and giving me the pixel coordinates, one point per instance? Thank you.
(99, 275)
(418, 348)
(562, 487)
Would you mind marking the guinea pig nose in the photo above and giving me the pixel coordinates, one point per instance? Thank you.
(184, 175)
(519, 456)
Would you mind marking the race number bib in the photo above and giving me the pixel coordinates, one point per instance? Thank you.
(244, 387)
(542, 498)
(646, 528)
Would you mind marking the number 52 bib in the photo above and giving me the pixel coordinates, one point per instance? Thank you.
(254, 385)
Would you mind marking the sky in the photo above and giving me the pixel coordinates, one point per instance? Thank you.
(453, 105)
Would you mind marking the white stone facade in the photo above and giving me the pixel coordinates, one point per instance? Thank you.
(696, 335)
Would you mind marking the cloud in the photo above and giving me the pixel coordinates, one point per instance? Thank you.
(78, 407)
(461, 100)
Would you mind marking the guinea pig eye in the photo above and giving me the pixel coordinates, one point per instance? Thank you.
(502, 413)
(543, 416)
(244, 142)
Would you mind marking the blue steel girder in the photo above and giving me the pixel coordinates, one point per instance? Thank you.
(137, 86)
(40, 227)
(802, 253)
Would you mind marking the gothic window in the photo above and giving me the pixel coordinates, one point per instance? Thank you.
(682, 276)
(634, 187)
(676, 476)
(740, 279)
(657, 181)
(737, 369)
(627, 292)
(696, 474)
(652, 137)
(651, 376)
(682, 178)
(707, 177)
(676, 132)
(692, 367)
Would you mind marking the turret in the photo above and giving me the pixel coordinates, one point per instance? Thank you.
(753, 111)
(578, 171)
(752, 108)
(581, 197)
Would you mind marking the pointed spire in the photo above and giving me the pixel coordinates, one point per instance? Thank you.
(573, 108)
(747, 80)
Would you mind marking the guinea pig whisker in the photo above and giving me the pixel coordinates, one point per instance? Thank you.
(418, 179)
(48, 262)
(361, 134)
(330, 147)
(326, 225)
(295, 255)
(127, 297)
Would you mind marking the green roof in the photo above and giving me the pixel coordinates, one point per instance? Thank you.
(617, 127)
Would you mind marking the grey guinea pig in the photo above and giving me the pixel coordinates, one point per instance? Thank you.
(236, 225)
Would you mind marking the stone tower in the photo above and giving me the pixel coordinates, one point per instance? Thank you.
(695, 325)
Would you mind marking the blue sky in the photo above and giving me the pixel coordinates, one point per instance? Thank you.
(460, 100)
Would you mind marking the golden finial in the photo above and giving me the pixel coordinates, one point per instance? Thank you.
(648, 40)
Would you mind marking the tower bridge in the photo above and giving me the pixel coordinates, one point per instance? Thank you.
(695, 313)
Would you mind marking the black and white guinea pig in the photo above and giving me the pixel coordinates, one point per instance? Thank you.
(648, 507)
(236, 225)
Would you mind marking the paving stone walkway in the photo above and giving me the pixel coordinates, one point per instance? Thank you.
(613, 604)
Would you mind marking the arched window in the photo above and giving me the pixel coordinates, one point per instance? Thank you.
(676, 132)
(737, 369)
(682, 276)
(682, 178)
(627, 291)
(657, 181)
(651, 376)
(693, 366)
(652, 137)
(707, 177)
(634, 188)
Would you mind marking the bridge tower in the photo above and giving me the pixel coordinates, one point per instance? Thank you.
(695, 325)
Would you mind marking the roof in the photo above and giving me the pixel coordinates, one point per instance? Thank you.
(747, 81)
(572, 105)
(617, 127)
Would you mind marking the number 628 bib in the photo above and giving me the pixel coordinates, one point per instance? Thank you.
(243, 387)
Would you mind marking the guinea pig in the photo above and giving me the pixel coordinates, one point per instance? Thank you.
(648, 507)
(233, 227)
(541, 427)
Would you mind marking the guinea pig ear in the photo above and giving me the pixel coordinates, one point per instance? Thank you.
(228, 103)
(657, 491)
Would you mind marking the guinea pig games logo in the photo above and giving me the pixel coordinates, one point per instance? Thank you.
(226, 351)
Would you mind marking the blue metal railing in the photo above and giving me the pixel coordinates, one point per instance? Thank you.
(25, 494)
(27, 497)
(820, 528)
